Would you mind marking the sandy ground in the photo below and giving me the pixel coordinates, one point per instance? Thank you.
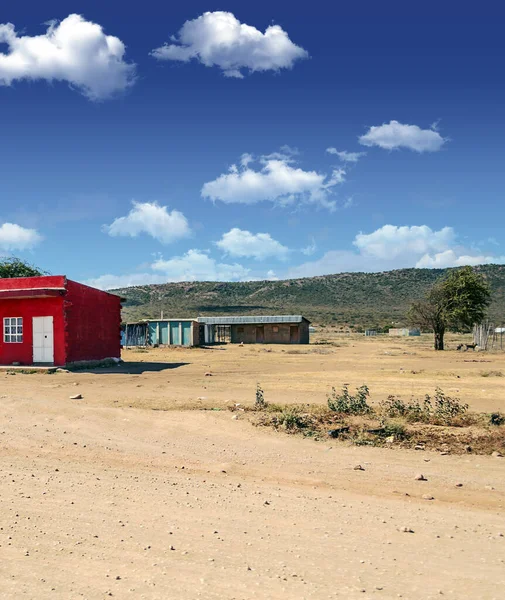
(104, 496)
(168, 378)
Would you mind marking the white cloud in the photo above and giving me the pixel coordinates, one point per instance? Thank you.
(14, 237)
(219, 39)
(75, 50)
(277, 180)
(196, 265)
(351, 157)
(390, 242)
(392, 247)
(450, 258)
(242, 243)
(112, 282)
(393, 135)
(153, 219)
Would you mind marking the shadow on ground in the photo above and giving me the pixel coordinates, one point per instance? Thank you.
(136, 368)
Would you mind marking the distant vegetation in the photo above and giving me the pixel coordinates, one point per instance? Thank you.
(357, 300)
(14, 267)
(457, 301)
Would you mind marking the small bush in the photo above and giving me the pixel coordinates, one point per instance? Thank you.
(437, 410)
(497, 419)
(260, 402)
(292, 419)
(347, 404)
(491, 374)
(394, 429)
(445, 408)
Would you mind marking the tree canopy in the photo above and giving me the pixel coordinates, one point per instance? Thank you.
(457, 302)
(15, 267)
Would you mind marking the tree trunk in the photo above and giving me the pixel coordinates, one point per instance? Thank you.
(439, 339)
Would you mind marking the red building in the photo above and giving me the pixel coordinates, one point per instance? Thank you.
(52, 320)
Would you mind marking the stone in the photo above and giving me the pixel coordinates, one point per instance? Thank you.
(406, 530)
(419, 447)
(428, 497)
(497, 454)
(420, 477)
(76, 397)
(358, 468)
(208, 374)
(458, 484)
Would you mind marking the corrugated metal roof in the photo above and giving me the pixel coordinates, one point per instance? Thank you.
(250, 320)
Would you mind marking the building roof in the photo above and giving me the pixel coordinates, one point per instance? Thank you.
(31, 293)
(259, 320)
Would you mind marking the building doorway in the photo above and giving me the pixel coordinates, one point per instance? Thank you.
(260, 335)
(43, 340)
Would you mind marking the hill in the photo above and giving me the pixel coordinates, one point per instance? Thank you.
(355, 299)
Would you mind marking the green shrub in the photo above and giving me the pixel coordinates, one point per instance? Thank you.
(260, 402)
(394, 429)
(437, 410)
(292, 419)
(347, 404)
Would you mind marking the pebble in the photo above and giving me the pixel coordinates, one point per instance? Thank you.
(358, 468)
(406, 530)
(497, 454)
(76, 397)
(428, 497)
(420, 477)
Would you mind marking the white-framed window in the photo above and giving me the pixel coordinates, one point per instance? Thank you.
(13, 330)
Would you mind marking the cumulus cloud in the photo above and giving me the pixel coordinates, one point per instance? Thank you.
(196, 265)
(14, 237)
(242, 243)
(393, 247)
(394, 135)
(74, 50)
(276, 179)
(344, 156)
(220, 39)
(450, 258)
(152, 219)
(390, 242)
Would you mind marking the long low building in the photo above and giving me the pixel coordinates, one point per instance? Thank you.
(163, 332)
(275, 329)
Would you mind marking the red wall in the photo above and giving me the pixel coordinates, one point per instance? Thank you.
(27, 309)
(22, 283)
(93, 323)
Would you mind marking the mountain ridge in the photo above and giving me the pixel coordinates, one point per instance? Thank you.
(358, 300)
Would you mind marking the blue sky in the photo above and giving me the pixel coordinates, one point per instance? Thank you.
(142, 157)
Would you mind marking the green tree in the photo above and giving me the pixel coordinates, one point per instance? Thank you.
(14, 267)
(457, 302)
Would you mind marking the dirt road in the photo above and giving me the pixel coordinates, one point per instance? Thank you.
(99, 501)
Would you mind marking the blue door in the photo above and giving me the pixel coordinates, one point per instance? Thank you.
(153, 333)
(175, 337)
(164, 333)
(186, 334)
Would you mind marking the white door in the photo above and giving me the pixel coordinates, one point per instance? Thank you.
(43, 340)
